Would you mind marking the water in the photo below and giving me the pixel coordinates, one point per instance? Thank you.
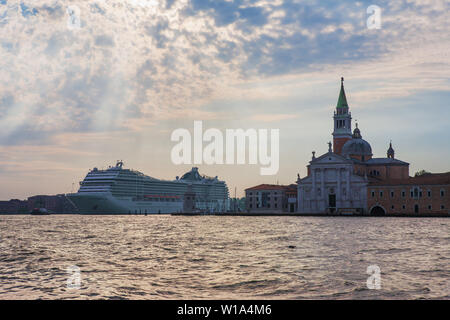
(210, 257)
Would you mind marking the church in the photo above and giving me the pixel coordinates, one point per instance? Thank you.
(349, 180)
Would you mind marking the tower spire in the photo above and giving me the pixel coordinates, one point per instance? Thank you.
(342, 101)
(342, 121)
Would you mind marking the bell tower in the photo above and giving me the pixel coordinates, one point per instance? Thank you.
(342, 122)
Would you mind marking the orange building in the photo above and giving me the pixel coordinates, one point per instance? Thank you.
(425, 194)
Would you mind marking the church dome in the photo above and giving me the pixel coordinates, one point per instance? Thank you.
(357, 146)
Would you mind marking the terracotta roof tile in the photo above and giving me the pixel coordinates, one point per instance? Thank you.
(269, 187)
(426, 179)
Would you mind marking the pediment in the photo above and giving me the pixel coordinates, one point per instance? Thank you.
(330, 158)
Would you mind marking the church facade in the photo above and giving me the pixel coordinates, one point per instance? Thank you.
(331, 186)
(349, 180)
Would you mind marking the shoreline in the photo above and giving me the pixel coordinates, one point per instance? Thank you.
(243, 214)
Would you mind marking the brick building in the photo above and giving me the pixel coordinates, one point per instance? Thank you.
(271, 198)
(427, 194)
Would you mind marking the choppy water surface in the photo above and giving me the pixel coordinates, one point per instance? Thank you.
(210, 257)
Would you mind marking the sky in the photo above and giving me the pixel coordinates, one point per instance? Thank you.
(136, 70)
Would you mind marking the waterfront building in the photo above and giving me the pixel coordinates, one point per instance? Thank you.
(271, 198)
(332, 186)
(425, 194)
(348, 179)
(13, 206)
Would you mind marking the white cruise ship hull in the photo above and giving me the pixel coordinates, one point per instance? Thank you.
(105, 203)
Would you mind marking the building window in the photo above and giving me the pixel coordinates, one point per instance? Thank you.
(381, 194)
(442, 193)
(403, 193)
(392, 207)
(275, 205)
(392, 194)
(373, 194)
(442, 207)
(403, 207)
(429, 207)
(429, 193)
(250, 205)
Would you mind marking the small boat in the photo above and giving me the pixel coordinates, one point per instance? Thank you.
(40, 212)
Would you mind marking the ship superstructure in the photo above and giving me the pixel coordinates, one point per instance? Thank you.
(117, 190)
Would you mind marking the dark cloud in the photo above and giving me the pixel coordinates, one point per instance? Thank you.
(104, 41)
(156, 32)
(6, 102)
(55, 44)
(169, 3)
(54, 13)
(26, 134)
(227, 12)
(95, 8)
(26, 11)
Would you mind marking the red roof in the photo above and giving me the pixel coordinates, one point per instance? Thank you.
(272, 187)
(425, 179)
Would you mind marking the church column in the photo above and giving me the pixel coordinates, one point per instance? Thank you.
(313, 191)
(322, 188)
(338, 191)
(348, 184)
(323, 183)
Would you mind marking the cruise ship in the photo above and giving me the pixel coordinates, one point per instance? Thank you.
(117, 190)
